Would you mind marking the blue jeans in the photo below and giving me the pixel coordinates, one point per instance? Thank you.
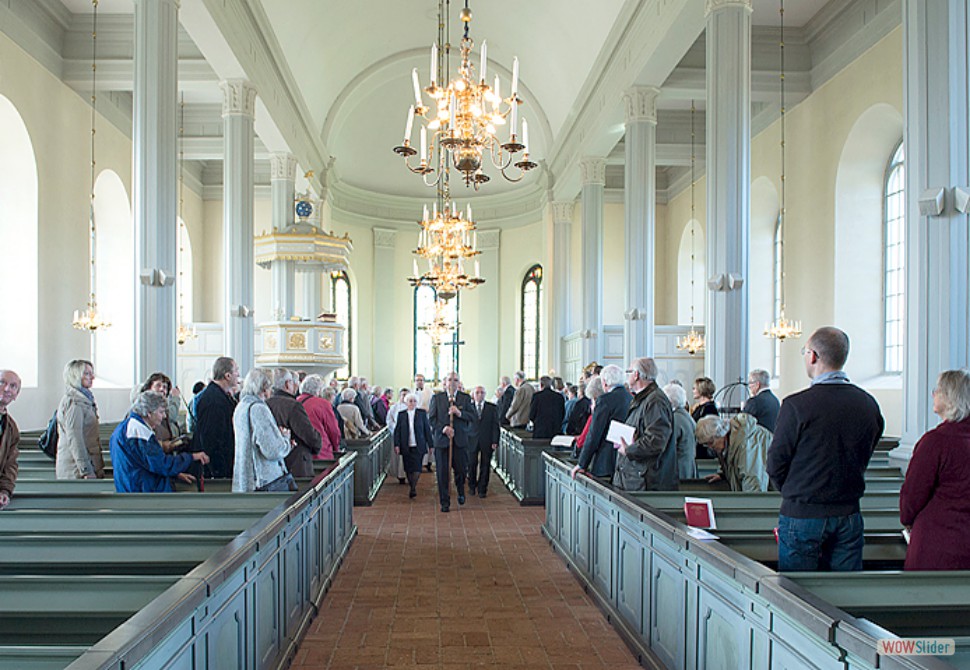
(827, 543)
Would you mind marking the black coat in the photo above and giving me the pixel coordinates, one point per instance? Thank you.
(764, 408)
(505, 403)
(576, 420)
(439, 418)
(546, 414)
(598, 456)
(213, 430)
(483, 430)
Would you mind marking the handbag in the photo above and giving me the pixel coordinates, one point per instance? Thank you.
(282, 484)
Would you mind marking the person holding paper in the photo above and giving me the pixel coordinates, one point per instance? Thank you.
(649, 463)
(598, 456)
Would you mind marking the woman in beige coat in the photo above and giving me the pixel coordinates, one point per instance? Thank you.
(78, 445)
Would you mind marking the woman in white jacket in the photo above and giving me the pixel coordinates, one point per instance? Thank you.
(261, 445)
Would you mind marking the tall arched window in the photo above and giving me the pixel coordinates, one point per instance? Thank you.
(341, 306)
(532, 321)
(776, 270)
(18, 239)
(423, 359)
(894, 215)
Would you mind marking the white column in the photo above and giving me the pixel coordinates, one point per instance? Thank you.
(937, 246)
(728, 186)
(489, 338)
(383, 301)
(283, 190)
(155, 196)
(640, 220)
(562, 223)
(593, 173)
(238, 114)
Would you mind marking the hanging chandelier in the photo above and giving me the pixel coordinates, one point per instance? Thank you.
(460, 126)
(693, 341)
(88, 318)
(447, 240)
(185, 332)
(782, 328)
(440, 328)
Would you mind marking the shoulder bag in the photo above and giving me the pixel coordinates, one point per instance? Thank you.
(282, 484)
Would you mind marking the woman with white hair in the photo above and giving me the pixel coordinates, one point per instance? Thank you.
(78, 444)
(140, 464)
(684, 427)
(396, 468)
(934, 503)
(261, 445)
(320, 413)
(741, 445)
(354, 428)
(412, 439)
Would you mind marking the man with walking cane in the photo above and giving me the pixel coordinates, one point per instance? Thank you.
(449, 414)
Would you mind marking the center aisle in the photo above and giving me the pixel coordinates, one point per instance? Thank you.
(476, 587)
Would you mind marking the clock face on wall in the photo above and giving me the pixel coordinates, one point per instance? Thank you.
(304, 209)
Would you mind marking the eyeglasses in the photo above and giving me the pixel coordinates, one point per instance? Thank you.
(805, 350)
(630, 372)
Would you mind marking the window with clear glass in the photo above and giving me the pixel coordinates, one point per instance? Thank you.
(436, 334)
(894, 296)
(340, 305)
(531, 339)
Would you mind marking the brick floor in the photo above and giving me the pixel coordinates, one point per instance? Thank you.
(478, 587)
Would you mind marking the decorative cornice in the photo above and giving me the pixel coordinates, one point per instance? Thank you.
(238, 98)
(592, 171)
(711, 6)
(562, 212)
(384, 238)
(641, 104)
(488, 240)
(282, 166)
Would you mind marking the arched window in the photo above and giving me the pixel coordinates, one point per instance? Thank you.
(426, 311)
(776, 270)
(894, 216)
(18, 239)
(532, 321)
(114, 347)
(341, 306)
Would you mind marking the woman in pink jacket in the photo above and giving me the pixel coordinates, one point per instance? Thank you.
(321, 415)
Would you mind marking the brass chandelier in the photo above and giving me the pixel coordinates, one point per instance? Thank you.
(447, 240)
(783, 328)
(89, 319)
(693, 341)
(460, 125)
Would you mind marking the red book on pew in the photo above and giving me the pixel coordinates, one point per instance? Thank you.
(700, 513)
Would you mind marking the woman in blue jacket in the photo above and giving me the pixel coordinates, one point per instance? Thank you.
(140, 465)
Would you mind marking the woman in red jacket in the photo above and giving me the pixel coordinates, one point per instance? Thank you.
(321, 415)
(934, 502)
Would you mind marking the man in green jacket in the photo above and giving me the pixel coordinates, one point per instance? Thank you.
(742, 447)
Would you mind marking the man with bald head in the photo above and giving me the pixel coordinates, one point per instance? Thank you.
(9, 436)
(483, 430)
(823, 440)
(449, 416)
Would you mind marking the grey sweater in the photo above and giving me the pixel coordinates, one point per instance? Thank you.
(260, 446)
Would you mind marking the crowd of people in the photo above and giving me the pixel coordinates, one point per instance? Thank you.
(813, 448)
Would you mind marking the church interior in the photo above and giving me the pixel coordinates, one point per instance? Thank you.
(201, 178)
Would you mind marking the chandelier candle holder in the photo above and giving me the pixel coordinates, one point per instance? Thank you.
(447, 240)
(693, 341)
(460, 126)
(782, 328)
(88, 319)
(185, 332)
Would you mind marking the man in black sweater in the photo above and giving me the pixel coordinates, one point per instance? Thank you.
(547, 411)
(823, 440)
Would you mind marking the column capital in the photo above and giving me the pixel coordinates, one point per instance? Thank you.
(592, 171)
(711, 6)
(641, 104)
(488, 240)
(282, 166)
(562, 212)
(384, 238)
(238, 98)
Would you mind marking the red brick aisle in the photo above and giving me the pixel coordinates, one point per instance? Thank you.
(477, 587)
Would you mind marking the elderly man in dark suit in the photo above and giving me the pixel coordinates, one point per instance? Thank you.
(598, 456)
(763, 405)
(508, 393)
(450, 414)
(547, 411)
(483, 430)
